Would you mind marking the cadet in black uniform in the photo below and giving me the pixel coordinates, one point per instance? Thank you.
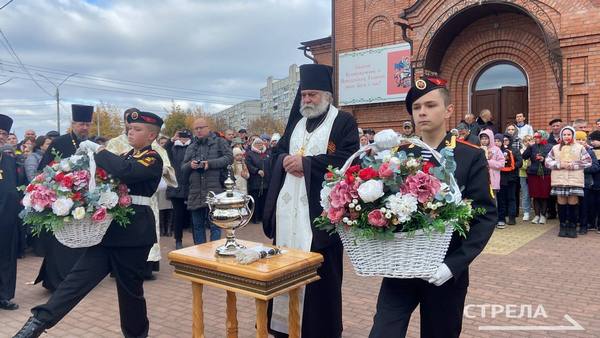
(9, 209)
(59, 259)
(123, 250)
(442, 296)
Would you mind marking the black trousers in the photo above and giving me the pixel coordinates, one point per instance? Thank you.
(441, 307)
(127, 264)
(181, 217)
(259, 198)
(8, 259)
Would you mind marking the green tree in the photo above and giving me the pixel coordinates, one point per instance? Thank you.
(110, 121)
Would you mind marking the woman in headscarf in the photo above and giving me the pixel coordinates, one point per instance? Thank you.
(258, 162)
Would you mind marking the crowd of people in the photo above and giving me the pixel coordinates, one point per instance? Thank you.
(543, 174)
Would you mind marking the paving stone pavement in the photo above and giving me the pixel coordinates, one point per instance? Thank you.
(525, 267)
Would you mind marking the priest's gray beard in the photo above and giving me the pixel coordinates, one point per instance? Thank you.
(310, 110)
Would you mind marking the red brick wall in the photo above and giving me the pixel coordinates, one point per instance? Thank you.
(361, 24)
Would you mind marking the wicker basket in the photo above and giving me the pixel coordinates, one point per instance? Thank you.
(82, 233)
(406, 256)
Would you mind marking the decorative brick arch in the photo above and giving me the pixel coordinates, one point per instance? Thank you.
(478, 46)
(379, 31)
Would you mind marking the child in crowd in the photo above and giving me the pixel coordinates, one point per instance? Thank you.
(567, 160)
(585, 203)
(525, 199)
(494, 157)
(240, 170)
(509, 177)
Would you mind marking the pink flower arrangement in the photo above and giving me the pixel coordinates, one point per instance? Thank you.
(42, 197)
(342, 194)
(421, 185)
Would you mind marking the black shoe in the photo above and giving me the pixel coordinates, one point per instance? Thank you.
(572, 231)
(178, 245)
(583, 230)
(8, 305)
(32, 329)
(150, 277)
(551, 216)
(563, 230)
(511, 221)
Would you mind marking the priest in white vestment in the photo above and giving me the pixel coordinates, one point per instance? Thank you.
(317, 136)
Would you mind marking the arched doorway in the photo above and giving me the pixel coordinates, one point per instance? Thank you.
(502, 88)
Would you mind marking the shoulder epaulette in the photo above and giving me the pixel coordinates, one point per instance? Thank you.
(467, 143)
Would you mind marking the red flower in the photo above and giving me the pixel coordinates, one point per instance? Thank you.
(367, 174)
(30, 187)
(67, 181)
(353, 169)
(428, 165)
(77, 196)
(350, 178)
(59, 177)
(101, 174)
(329, 176)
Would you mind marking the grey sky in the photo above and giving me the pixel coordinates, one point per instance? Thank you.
(223, 50)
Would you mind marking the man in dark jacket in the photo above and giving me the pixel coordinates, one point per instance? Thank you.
(178, 196)
(205, 163)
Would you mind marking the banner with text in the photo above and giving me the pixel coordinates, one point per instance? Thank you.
(374, 75)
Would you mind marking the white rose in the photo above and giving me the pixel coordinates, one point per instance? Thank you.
(371, 190)
(402, 206)
(412, 163)
(78, 213)
(62, 206)
(27, 201)
(394, 162)
(386, 139)
(325, 204)
(108, 199)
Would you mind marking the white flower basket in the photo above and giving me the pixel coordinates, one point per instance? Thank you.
(405, 256)
(82, 233)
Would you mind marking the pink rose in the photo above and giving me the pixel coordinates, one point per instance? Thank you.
(385, 171)
(377, 219)
(342, 194)
(42, 197)
(123, 189)
(421, 185)
(125, 200)
(99, 215)
(335, 215)
(80, 178)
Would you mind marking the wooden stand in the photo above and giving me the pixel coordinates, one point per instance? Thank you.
(262, 280)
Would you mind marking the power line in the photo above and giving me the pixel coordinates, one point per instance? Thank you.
(14, 54)
(6, 4)
(135, 83)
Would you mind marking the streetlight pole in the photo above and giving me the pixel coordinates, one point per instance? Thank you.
(57, 96)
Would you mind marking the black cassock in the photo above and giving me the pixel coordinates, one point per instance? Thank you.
(322, 314)
(58, 259)
(9, 209)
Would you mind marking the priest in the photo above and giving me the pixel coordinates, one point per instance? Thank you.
(120, 145)
(317, 135)
(59, 259)
(9, 208)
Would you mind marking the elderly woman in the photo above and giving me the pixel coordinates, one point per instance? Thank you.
(538, 176)
(258, 162)
(33, 160)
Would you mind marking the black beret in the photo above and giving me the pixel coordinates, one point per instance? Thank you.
(316, 77)
(595, 135)
(242, 131)
(82, 113)
(52, 133)
(5, 123)
(421, 87)
(145, 117)
(553, 121)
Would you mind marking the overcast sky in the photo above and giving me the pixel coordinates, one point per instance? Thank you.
(212, 53)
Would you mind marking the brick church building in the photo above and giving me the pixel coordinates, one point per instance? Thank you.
(539, 57)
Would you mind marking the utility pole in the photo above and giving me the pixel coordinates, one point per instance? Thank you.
(57, 97)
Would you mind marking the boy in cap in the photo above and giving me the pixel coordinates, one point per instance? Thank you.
(123, 250)
(441, 296)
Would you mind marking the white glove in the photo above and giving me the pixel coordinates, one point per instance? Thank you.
(87, 146)
(386, 139)
(441, 276)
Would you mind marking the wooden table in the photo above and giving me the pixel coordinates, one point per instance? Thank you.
(262, 280)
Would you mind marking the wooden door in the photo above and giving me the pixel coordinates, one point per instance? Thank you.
(486, 99)
(513, 101)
